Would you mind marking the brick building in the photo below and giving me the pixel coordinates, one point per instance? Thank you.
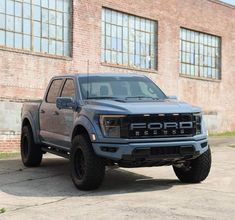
(187, 47)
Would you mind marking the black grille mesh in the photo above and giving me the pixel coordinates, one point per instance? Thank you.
(159, 133)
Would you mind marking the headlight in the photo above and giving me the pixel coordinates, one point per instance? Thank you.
(111, 125)
(198, 122)
(204, 127)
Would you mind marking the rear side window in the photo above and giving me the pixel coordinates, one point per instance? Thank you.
(54, 91)
(69, 89)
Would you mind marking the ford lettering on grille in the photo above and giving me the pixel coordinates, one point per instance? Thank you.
(162, 125)
(158, 126)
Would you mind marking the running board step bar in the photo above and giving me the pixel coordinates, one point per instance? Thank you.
(58, 151)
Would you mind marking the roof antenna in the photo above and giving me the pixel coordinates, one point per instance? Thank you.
(88, 80)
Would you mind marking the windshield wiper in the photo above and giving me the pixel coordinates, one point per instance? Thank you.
(141, 97)
(122, 99)
(105, 97)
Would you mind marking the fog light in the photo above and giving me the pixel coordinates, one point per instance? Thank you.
(204, 144)
(109, 149)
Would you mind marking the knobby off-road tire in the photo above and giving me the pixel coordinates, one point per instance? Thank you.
(31, 153)
(87, 169)
(195, 170)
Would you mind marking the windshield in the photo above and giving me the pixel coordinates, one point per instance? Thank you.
(118, 87)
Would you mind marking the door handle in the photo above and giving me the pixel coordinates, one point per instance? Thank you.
(42, 111)
(55, 113)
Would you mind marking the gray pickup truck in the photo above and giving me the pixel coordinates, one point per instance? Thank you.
(100, 120)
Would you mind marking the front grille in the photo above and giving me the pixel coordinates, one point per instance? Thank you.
(159, 126)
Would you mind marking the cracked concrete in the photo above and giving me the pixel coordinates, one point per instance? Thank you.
(47, 192)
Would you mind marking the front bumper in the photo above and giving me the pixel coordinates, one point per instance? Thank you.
(124, 151)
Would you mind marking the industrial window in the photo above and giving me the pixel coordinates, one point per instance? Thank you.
(36, 25)
(200, 54)
(128, 40)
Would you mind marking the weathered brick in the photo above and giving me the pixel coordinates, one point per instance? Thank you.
(9, 143)
(25, 75)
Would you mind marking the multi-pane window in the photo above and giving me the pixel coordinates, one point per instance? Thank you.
(36, 25)
(128, 40)
(200, 54)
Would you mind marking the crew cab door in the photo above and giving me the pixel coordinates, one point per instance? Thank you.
(66, 116)
(48, 113)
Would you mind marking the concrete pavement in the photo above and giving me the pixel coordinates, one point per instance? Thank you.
(47, 192)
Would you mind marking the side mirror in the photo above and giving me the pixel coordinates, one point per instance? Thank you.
(173, 97)
(65, 103)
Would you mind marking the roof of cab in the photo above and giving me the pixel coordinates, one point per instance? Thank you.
(77, 75)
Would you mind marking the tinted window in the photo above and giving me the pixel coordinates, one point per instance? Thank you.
(101, 87)
(53, 91)
(69, 89)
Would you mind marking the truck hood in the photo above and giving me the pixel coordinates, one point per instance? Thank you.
(140, 107)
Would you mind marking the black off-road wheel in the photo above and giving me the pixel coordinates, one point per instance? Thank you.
(31, 153)
(87, 169)
(194, 171)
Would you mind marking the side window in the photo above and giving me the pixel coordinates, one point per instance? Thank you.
(69, 89)
(53, 91)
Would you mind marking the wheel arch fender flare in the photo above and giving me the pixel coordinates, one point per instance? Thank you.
(27, 119)
(81, 125)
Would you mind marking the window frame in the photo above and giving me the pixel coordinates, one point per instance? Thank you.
(111, 79)
(27, 38)
(128, 54)
(217, 60)
(63, 85)
(59, 90)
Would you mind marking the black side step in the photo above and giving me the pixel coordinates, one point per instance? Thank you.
(57, 151)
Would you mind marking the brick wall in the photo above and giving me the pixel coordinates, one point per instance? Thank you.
(25, 75)
(9, 142)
